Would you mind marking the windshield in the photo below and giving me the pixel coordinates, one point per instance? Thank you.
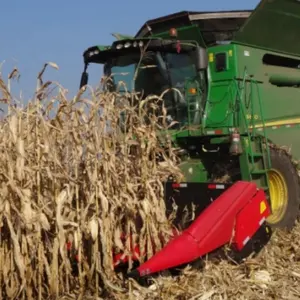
(131, 73)
(182, 72)
(156, 73)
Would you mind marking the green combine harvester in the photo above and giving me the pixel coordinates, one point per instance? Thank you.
(239, 78)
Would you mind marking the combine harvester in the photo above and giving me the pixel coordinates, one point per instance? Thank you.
(238, 72)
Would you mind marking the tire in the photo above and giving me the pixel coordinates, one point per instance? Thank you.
(282, 164)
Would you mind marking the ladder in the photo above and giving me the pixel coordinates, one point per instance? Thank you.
(255, 161)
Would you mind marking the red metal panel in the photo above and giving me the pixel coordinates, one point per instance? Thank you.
(214, 227)
(250, 219)
(211, 230)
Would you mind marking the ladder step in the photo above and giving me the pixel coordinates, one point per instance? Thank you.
(259, 172)
(256, 154)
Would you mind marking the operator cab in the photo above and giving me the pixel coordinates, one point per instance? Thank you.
(174, 62)
(152, 66)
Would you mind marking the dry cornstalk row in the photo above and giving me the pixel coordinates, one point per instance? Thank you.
(76, 177)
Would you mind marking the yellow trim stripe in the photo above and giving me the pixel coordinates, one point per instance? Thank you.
(278, 123)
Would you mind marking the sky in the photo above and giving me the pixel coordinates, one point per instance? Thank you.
(34, 32)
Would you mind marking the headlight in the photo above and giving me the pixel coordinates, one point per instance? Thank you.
(127, 45)
(92, 53)
(141, 43)
(119, 46)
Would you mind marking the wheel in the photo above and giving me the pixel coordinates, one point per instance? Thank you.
(284, 191)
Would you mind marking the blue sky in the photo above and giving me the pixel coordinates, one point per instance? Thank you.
(34, 32)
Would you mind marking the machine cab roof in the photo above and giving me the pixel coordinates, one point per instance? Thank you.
(210, 27)
(272, 25)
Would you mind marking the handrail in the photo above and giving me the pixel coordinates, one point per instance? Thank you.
(241, 104)
(263, 122)
(240, 95)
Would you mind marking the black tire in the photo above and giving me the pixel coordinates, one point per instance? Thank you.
(282, 162)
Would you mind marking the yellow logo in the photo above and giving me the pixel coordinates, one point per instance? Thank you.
(263, 207)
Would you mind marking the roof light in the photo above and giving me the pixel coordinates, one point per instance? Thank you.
(127, 45)
(92, 53)
(173, 32)
(141, 43)
(134, 44)
(119, 46)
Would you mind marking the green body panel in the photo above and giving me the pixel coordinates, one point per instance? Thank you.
(219, 105)
(252, 86)
(279, 102)
(280, 105)
(274, 86)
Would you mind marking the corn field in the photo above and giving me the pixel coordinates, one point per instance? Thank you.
(75, 174)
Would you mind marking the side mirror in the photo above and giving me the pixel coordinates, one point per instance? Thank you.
(84, 79)
(201, 58)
